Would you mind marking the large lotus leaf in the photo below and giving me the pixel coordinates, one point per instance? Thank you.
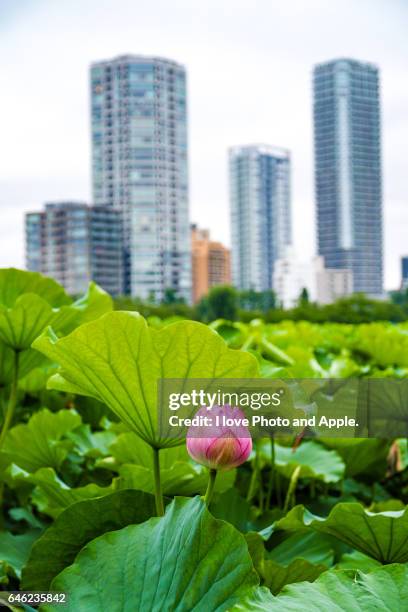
(260, 599)
(231, 507)
(14, 283)
(78, 525)
(234, 334)
(285, 567)
(21, 324)
(182, 478)
(93, 412)
(118, 360)
(92, 305)
(51, 495)
(187, 560)
(28, 360)
(386, 344)
(357, 561)
(380, 535)
(91, 444)
(386, 505)
(128, 448)
(384, 590)
(311, 546)
(29, 303)
(39, 443)
(275, 576)
(14, 551)
(314, 460)
(361, 456)
(36, 380)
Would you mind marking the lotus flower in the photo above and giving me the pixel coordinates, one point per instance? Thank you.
(220, 447)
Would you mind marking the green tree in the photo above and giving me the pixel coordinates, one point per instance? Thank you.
(220, 303)
(261, 301)
(304, 297)
(171, 297)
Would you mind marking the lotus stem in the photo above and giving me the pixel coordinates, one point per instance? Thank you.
(278, 489)
(249, 342)
(272, 474)
(255, 475)
(11, 406)
(313, 489)
(290, 495)
(157, 482)
(210, 487)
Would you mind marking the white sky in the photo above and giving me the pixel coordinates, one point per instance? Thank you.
(249, 69)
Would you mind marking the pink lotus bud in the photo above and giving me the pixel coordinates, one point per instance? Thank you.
(220, 445)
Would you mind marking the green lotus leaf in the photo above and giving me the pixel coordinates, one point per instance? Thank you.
(133, 459)
(6, 364)
(386, 344)
(29, 360)
(118, 360)
(383, 589)
(28, 303)
(357, 561)
(35, 381)
(128, 448)
(14, 283)
(186, 560)
(91, 444)
(231, 507)
(14, 551)
(314, 460)
(92, 305)
(382, 535)
(182, 478)
(300, 557)
(39, 443)
(21, 324)
(361, 456)
(275, 576)
(51, 495)
(317, 548)
(76, 526)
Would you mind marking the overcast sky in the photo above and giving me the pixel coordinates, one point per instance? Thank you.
(249, 69)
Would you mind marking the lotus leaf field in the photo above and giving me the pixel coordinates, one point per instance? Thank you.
(97, 504)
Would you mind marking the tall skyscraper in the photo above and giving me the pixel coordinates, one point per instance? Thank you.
(75, 243)
(348, 170)
(211, 263)
(404, 272)
(140, 166)
(260, 213)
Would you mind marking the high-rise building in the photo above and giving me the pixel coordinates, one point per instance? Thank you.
(260, 213)
(75, 243)
(348, 170)
(139, 161)
(210, 263)
(404, 272)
